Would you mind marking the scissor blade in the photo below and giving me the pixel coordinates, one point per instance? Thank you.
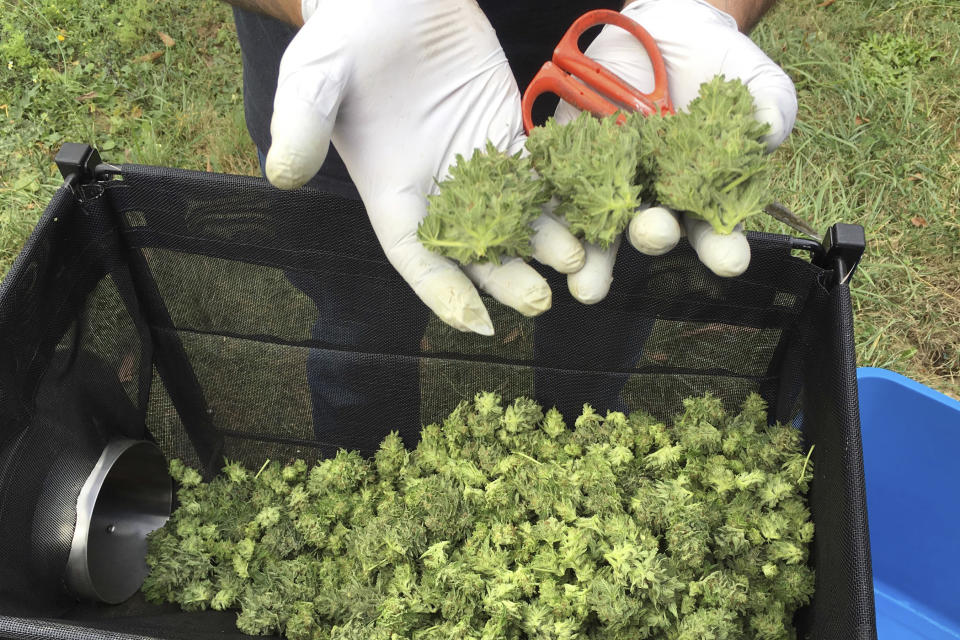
(789, 218)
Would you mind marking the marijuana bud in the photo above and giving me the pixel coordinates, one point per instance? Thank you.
(708, 160)
(483, 211)
(505, 523)
(590, 164)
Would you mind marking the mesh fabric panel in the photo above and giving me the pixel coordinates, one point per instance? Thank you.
(843, 607)
(71, 369)
(227, 319)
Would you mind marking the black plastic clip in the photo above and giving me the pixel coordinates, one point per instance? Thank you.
(80, 166)
(844, 245)
(77, 163)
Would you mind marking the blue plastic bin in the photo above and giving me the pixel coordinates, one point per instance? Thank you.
(911, 456)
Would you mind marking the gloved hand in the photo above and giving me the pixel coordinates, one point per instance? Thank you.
(401, 87)
(697, 42)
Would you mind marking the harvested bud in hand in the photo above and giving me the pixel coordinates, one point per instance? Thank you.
(709, 160)
(590, 164)
(483, 211)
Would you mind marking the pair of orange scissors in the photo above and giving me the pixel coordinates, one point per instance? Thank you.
(588, 85)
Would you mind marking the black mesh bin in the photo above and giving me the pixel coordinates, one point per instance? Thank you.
(218, 316)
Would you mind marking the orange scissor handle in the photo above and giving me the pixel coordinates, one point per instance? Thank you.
(589, 86)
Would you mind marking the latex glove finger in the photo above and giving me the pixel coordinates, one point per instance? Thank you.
(514, 283)
(312, 79)
(436, 280)
(554, 245)
(552, 242)
(776, 104)
(592, 283)
(655, 231)
(446, 290)
(725, 254)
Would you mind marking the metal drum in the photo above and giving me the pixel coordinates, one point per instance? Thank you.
(127, 495)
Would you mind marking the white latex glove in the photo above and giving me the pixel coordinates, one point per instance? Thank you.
(697, 42)
(401, 87)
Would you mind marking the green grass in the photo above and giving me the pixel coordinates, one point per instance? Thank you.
(75, 70)
(876, 140)
(876, 143)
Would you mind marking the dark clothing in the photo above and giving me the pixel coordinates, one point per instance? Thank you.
(528, 32)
